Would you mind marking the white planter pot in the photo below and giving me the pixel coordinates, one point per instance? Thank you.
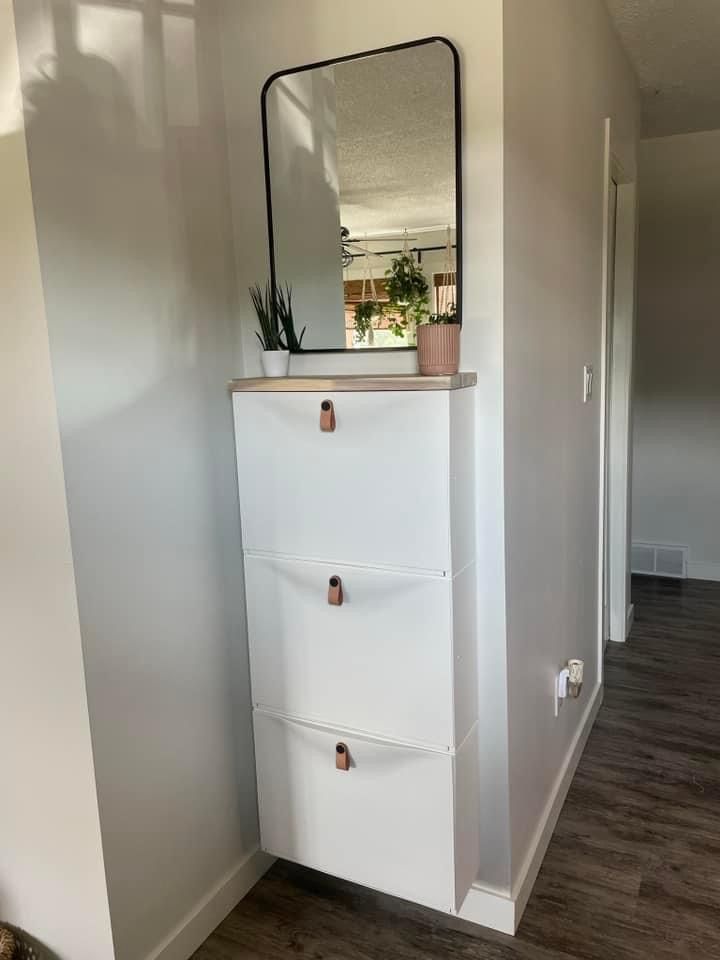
(275, 362)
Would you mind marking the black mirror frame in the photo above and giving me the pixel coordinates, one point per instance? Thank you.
(458, 169)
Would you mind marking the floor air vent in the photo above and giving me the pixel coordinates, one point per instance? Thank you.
(659, 560)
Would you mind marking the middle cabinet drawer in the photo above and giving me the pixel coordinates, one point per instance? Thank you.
(381, 661)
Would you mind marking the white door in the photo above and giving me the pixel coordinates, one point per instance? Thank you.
(385, 822)
(381, 662)
(375, 491)
(610, 323)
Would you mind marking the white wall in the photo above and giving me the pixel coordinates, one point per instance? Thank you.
(51, 865)
(262, 36)
(129, 177)
(565, 73)
(676, 486)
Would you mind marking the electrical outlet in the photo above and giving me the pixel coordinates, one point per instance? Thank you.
(568, 683)
(561, 680)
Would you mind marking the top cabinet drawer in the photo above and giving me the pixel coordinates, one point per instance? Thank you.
(377, 490)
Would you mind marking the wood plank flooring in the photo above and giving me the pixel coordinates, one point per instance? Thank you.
(633, 870)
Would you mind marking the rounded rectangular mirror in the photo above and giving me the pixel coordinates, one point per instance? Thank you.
(362, 167)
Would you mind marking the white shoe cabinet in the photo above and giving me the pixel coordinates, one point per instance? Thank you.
(358, 523)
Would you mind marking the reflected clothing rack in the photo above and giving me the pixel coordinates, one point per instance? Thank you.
(417, 250)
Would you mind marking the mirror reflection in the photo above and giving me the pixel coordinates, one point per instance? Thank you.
(361, 167)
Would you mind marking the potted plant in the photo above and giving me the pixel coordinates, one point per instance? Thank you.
(365, 312)
(438, 343)
(284, 313)
(409, 295)
(275, 318)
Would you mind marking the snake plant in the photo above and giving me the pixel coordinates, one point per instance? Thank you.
(275, 316)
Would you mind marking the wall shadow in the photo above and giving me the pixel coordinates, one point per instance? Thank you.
(126, 140)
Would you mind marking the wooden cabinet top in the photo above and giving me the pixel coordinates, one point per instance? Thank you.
(352, 383)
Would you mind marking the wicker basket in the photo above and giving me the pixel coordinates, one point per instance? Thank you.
(28, 948)
(7, 944)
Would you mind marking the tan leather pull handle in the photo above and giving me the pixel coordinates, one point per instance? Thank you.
(335, 592)
(327, 416)
(342, 757)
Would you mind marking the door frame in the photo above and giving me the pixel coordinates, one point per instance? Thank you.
(616, 394)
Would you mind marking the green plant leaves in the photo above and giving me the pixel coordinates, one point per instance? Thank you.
(274, 311)
(365, 313)
(269, 333)
(408, 292)
(450, 316)
(284, 311)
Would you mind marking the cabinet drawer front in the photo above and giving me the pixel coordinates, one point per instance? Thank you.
(385, 823)
(380, 663)
(374, 491)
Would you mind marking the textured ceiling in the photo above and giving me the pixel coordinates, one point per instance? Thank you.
(674, 46)
(395, 139)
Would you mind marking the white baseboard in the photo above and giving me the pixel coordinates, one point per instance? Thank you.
(527, 876)
(697, 570)
(206, 915)
(489, 908)
(503, 912)
(629, 619)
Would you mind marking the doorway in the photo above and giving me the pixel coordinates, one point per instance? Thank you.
(619, 267)
(612, 192)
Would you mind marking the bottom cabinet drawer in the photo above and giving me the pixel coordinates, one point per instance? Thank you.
(386, 822)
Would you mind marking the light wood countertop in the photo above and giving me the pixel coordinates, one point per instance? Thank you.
(352, 382)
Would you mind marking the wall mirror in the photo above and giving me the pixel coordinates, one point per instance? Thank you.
(362, 167)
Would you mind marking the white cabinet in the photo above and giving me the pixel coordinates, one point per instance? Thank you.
(383, 662)
(360, 585)
(374, 491)
(389, 822)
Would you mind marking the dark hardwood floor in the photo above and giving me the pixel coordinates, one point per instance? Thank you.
(633, 870)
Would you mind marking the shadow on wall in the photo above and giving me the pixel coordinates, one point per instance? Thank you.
(126, 140)
(129, 184)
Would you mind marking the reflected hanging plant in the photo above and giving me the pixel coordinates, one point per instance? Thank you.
(365, 313)
(408, 293)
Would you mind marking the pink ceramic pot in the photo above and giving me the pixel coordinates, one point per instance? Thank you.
(438, 348)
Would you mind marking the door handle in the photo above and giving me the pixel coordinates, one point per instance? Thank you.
(335, 592)
(327, 416)
(342, 757)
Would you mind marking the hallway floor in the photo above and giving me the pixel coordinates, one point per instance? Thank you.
(633, 870)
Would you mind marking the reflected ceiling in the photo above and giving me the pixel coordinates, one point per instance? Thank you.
(396, 162)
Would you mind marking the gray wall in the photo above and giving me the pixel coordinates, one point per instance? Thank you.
(676, 485)
(554, 236)
(130, 184)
